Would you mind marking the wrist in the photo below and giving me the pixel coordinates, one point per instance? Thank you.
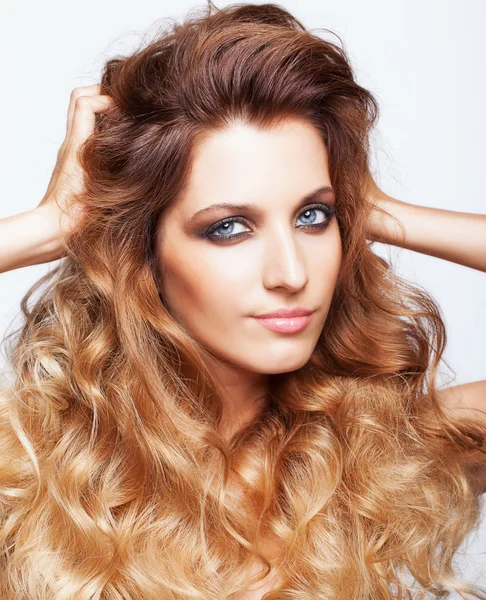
(42, 225)
(46, 231)
(385, 218)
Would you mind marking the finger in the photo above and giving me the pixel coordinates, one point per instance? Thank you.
(88, 90)
(84, 116)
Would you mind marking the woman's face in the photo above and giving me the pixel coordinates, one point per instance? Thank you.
(283, 256)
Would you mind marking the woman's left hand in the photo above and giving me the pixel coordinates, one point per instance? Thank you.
(379, 223)
(451, 235)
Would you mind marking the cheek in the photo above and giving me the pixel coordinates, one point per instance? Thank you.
(201, 290)
(325, 259)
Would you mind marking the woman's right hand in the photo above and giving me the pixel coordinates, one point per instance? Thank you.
(37, 235)
(57, 205)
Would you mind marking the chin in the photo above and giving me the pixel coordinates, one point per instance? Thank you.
(282, 364)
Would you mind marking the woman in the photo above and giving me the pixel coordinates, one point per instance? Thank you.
(160, 438)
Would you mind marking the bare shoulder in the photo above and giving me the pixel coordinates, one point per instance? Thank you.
(469, 399)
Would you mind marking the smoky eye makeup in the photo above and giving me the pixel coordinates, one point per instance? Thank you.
(318, 217)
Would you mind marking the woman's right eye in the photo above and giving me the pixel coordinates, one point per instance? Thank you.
(226, 226)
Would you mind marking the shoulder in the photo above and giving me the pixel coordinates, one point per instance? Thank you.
(469, 400)
(469, 397)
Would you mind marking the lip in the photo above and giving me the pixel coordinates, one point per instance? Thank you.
(286, 324)
(286, 313)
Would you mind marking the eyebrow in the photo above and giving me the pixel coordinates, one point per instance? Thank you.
(254, 207)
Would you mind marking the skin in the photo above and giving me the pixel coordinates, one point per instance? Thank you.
(214, 287)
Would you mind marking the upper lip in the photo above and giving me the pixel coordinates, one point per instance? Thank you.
(286, 312)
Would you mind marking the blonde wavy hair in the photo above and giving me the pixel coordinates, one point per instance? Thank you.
(114, 476)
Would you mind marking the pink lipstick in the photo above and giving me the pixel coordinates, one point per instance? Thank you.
(285, 320)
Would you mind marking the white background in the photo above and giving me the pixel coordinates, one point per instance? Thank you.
(424, 61)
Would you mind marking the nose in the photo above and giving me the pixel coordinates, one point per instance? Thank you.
(284, 264)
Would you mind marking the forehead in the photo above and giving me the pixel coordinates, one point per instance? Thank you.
(242, 164)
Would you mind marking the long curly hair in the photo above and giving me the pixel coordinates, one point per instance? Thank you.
(115, 481)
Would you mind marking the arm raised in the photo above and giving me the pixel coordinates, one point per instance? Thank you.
(29, 238)
(455, 236)
(36, 236)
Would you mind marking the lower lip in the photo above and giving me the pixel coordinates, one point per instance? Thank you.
(286, 324)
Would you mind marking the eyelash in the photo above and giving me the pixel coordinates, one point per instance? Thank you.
(329, 212)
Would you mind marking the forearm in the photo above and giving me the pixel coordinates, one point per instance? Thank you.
(28, 238)
(455, 236)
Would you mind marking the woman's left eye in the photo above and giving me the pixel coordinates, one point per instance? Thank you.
(227, 225)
